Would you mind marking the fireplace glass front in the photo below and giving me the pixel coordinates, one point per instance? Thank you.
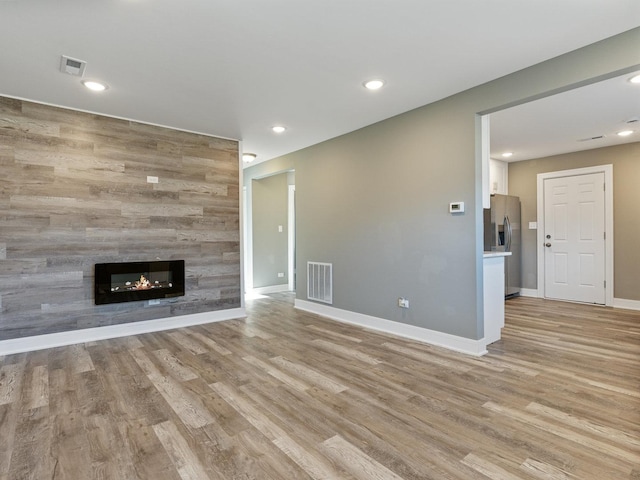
(135, 281)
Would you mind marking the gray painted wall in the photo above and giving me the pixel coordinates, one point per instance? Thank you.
(375, 202)
(626, 202)
(270, 206)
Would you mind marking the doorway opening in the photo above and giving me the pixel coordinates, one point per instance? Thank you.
(270, 233)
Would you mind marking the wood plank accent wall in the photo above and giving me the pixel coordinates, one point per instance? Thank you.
(74, 192)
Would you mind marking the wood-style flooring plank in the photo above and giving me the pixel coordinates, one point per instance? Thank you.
(360, 465)
(285, 394)
(182, 456)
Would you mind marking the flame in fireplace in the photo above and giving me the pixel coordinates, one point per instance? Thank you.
(142, 284)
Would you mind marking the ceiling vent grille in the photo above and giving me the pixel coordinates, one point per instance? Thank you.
(588, 139)
(72, 66)
(320, 282)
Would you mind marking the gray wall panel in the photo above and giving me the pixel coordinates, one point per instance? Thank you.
(626, 209)
(74, 192)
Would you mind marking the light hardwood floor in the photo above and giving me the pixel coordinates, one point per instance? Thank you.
(288, 395)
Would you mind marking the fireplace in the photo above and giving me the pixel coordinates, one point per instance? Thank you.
(136, 281)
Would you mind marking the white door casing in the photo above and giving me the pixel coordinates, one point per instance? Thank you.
(575, 235)
(291, 243)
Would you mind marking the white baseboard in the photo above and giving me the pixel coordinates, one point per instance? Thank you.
(60, 339)
(617, 302)
(424, 335)
(529, 292)
(284, 287)
(627, 304)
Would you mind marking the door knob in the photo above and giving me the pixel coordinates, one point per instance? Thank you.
(547, 244)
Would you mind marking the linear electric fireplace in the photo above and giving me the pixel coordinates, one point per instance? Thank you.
(135, 281)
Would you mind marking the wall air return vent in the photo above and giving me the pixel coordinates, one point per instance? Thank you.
(320, 282)
(72, 66)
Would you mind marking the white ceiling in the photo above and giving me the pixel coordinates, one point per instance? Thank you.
(235, 68)
(569, 122)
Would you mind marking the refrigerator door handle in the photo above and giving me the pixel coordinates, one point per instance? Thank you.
(508, 232)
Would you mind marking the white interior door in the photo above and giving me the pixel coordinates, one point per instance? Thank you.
(574, 238)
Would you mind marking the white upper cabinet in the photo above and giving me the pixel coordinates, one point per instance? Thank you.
(498, 177)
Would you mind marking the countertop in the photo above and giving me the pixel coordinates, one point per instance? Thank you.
(496, 254)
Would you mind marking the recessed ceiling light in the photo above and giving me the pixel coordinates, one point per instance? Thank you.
(373, 84)
(95, 86)
(248, 157)
(507, 154)
(625, 133)
(635, 79)
(278, 129)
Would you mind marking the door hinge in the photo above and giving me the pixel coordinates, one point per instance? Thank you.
(604, 186)
(604, 235)
(605, 284)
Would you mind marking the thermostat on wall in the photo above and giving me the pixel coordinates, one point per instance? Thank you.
(456, 207)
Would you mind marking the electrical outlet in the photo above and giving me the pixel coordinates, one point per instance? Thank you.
(403, 302)
(280, 275)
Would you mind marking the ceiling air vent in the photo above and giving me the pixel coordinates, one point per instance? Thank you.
(588, 139)
(72, 66)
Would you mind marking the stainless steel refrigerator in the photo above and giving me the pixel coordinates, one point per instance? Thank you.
(502, 233)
